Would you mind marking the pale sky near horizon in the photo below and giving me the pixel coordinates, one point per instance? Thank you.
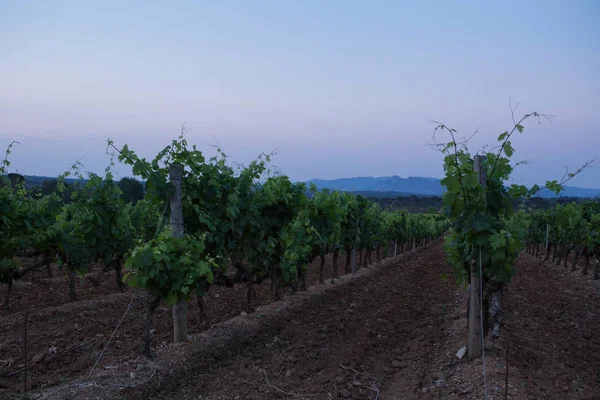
(339, 88)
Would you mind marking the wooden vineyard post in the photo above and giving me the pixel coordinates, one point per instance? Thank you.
(179, 309)
(354, 260)
(475, 340)
(395, 249)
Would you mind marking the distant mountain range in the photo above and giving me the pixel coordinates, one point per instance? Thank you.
(387, 186)
(414, 185)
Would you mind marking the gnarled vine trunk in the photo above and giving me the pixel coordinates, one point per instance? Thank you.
(7, 296)
(493, 294)
(547, 252)
(180, 321)
(276, 279)
(567, 252)
(117, 265)
(492, 307)
(336, 253)
(586, 264)
(47, 264)
(560, 254)
(302, 279)
(348, 260)
(200, 295)
(114, 264)
(151, 305)
(360, 259)
(574, 266)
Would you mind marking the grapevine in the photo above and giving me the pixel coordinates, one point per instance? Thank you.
(481, 234)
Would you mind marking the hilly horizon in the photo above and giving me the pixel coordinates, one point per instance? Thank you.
(424, 186)
(385, 186)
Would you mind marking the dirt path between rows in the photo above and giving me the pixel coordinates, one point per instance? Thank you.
(553, 325)
(374, 335)
(389, 332)
(64, 339)
(353, 342)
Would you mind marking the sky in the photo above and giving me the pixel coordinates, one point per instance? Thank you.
(337, 88)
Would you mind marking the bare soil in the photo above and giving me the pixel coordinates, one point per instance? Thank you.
(65, 339)
(354, 340)
(391, 331)
(553, 328)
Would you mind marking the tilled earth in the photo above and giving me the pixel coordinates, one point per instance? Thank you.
(64, 340)
(553, 327)
(389, 332)
(354, 341)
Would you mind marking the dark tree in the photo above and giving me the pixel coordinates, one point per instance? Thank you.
(49, 186)
(133, 190)
(16, 179)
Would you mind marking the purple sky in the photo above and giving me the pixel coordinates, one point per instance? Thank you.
(340, 88)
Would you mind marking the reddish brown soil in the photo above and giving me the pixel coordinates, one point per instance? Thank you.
(553, 328)
(35, 291)
(78, 331)
(391, 331)
(377, 332)
(353, 341)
